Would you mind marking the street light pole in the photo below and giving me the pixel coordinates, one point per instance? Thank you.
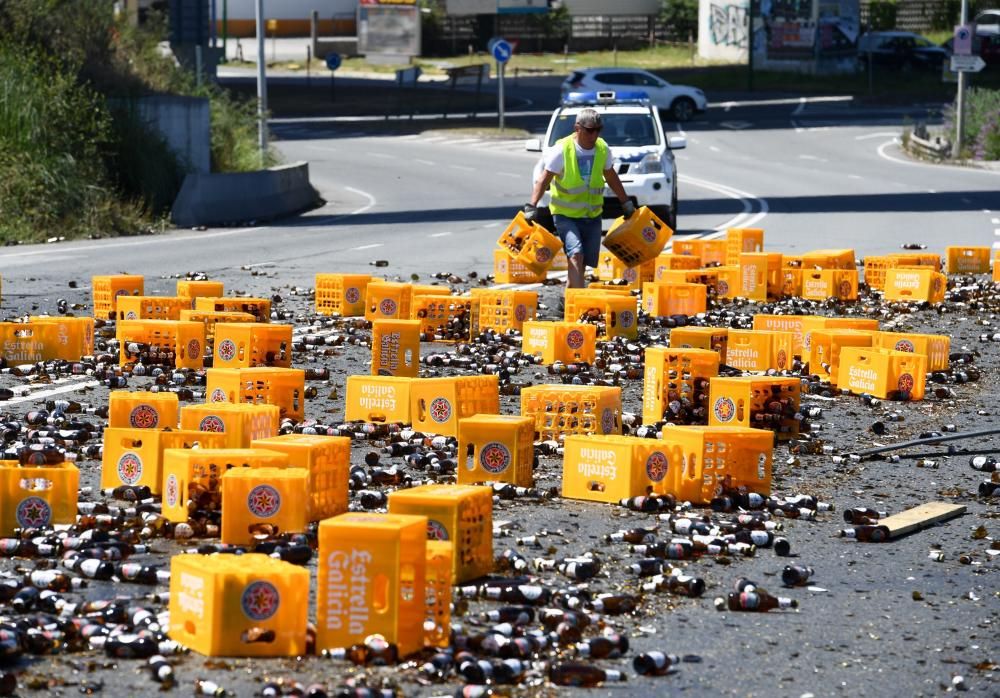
(261, 84)
(750, 46)
(956, 147)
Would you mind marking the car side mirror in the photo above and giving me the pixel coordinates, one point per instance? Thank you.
(533, 145)
(677, 142)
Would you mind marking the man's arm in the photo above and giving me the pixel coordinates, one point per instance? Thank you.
(611, 177)
(541, 184)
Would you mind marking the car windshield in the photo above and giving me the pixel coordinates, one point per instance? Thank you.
(620, 130)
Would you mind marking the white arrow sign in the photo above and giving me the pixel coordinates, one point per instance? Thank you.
(967, 64)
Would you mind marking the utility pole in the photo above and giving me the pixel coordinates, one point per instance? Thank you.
(956, 147)
(750, 46)
(261, 84)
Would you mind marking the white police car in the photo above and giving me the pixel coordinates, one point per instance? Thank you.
(640, 151)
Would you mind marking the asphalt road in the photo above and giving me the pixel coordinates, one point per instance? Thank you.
(879, 619)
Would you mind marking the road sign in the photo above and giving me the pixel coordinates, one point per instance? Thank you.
(333, 60)
(967, 64)
(501, 50)
(962, 44)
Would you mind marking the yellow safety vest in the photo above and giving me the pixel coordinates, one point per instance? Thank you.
(571, 196)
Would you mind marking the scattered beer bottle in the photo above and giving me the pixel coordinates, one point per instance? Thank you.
(796, 575)
(855, 514)
(654, 663)
(162, 671)
(758, 601)
(582, 675)
(610, 646)
(866, 533)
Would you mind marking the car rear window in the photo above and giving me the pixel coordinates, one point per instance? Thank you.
(620, 129)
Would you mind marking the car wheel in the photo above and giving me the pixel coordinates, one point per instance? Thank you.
(682, 109)
(544, 219)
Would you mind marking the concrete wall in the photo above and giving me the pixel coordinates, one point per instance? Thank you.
(221, 199)
(722, 29)
(185, 124)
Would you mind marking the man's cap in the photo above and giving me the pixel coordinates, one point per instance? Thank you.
(588, 118)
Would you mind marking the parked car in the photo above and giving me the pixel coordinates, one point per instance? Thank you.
(640, 151)
(900, 50)
(682, 102)
(988, 23)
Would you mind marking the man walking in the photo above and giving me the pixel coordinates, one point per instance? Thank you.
(577, 167)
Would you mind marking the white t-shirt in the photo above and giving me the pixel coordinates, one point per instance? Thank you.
(553, 160)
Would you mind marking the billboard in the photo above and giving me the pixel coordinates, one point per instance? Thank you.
(389, 30)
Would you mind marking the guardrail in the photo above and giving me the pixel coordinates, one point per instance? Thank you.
(933, 148)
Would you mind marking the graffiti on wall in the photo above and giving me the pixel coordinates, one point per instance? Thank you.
(728, 25)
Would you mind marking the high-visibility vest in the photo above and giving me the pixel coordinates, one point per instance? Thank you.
(570, 195)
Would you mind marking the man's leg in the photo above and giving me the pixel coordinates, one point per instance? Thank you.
(575, 271)
(568, 231)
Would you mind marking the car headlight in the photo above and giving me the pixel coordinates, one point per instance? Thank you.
(650, 164)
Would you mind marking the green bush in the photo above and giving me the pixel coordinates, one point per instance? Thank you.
(982, 123)
(882, 15)
(681, 18)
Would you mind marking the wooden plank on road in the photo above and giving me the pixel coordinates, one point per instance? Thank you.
(920, 517)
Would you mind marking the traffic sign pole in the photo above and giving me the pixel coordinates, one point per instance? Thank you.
(956, 146)
(500, 93)
(501, 51)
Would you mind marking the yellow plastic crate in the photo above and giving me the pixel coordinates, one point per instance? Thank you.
(676, 375)
(611, 468)
(197, 473)
(996, 269)
(151, 307)
(706, 277)
(341, 294)
(530, 244)
(741, 240)
(811, 323)
(822, 284)
(669, 261)
(760, 275)
(191, 288)
(142, 410)
(968, 260)
(378, 399)
(759, 350)
(240, 423)
(459, 514)
(45, 338)
(396, 347)
(730, 281)
(327, 460)
(496, 448)
(561, 410)
(828, 259)
(108, 289)
(791, 282)
(260, 308)
(876, 267)
(714, 338)
(255, 496)
(610, 268)
(437, 404)
(786, 323)
(250, 344)
(708, 252)
(663, 299)
(701, 460)
(506, 309)
(915, 284)
(174, 343)
(560, 341)
(37, 496)
(135, 457)
(211, 318)
(613, 311)
(826, 347)
(262, 385)
(936, 347)
(757, 402)
(509, 270)
(882, 372)
(446, 318)
(388, 300)
(639, 238)
(437, 600)
(220, 603)
(372, 580)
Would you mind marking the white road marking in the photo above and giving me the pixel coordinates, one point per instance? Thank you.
(996, 245)
(880, 134)
(492, 225)
(466, 168)
(384, 156)
(996, 231)
(741, 220)
(424, 162)
(801, 108)
(69, 388)
(259, 264)
(368, 247)
(440, 235)
(510, 174)
(370, 204)
(854, 176)
(813, 157)
(798, 129)
(995, 221)
(714, 149)
(916, 163)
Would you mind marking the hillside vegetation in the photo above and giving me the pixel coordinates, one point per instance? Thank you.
(75, 161)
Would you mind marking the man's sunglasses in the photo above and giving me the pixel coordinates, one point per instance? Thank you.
(591, 129)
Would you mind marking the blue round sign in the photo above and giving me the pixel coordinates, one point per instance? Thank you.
(333, 61)
(501, 50)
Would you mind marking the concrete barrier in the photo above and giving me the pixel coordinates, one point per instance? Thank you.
(218, 199)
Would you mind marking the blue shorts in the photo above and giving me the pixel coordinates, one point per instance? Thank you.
(580, 236)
